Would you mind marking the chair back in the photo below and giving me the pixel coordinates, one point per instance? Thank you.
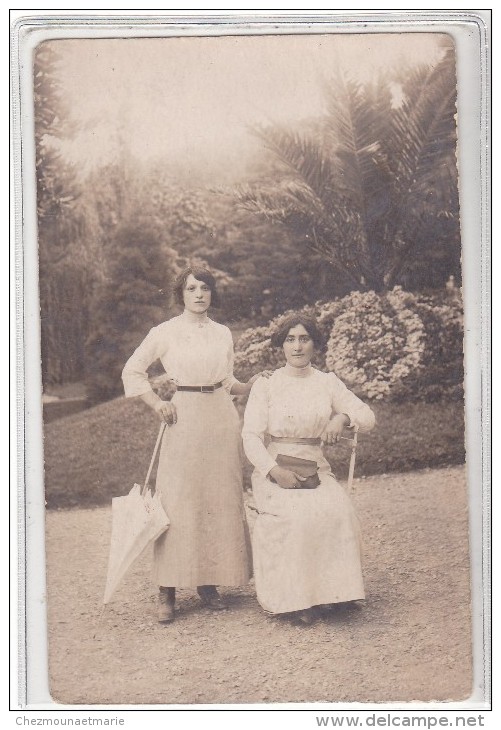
(352, 444)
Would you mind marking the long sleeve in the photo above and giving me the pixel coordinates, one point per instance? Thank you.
(344, 401)
(230, 379)
(134, 374)
(255, 427)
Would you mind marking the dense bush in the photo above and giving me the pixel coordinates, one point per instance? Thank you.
(396, 345)
(131, 301)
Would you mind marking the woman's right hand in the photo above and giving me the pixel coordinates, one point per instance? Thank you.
(166, 412)
(285, 478)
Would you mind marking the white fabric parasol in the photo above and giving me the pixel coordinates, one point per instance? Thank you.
(137, 519)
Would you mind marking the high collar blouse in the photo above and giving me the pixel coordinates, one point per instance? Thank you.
(193, 351)
(297, 403)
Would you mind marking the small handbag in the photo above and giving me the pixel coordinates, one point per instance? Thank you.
(302, 467)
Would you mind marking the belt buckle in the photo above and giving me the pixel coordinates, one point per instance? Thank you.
(207, 389)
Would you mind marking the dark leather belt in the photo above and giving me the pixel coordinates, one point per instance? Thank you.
(200, 388)
(292, 440)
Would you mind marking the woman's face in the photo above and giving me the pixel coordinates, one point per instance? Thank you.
(298, 347)
(196, 295)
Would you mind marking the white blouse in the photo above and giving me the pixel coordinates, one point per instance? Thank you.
(297, 403)
(192, 350)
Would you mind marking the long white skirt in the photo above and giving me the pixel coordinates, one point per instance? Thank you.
(200, 482)
(306, 546)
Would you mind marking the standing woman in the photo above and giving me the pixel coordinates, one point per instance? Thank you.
(306, 542)
(200, 471)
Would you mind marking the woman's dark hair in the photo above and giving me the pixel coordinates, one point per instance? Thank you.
(293, 320)
(200, 274)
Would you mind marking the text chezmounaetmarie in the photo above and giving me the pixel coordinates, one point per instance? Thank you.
(49, 721)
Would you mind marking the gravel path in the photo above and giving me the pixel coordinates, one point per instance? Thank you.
(410, 639)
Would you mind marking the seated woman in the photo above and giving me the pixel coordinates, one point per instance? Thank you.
(306, 542)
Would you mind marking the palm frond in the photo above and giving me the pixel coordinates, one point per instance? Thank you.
(424, 125)
(357, 116)
(424, 130)
(304, 159)
(360, 187)
(293, 203)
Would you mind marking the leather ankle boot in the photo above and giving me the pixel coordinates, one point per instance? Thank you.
(166, 602)
(211, 598)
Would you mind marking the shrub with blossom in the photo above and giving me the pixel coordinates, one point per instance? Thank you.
(397, 345)
(163, 386)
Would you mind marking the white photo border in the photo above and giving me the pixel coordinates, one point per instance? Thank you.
(471, 33)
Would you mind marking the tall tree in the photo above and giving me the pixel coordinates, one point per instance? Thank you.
(132, 298)
(376, 184)
(58, 191)
(61, 229)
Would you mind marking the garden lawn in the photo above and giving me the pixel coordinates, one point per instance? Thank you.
(100, 453)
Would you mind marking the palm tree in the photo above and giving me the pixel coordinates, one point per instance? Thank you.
(373, 186)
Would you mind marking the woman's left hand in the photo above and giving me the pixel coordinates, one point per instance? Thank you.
(335, 428)
(262, 374)
(244, 389)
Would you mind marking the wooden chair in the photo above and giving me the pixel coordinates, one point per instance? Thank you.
(352, 443)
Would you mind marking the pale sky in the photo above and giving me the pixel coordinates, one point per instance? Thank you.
(193, 98)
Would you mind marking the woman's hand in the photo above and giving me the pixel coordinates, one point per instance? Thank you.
(166, 412)
(244, 389)
(335, 428)
(262, 374)
(285, 478)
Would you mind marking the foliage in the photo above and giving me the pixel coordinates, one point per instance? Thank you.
(107, 448)
(64, 322)
(371, 189)
(260, 266)
(394, 345)
(61, 220)
(56, 189)
(266, 262)
(375, 190)
(62, 226)
(127, 304)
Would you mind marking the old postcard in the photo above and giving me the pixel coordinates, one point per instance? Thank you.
(262, 238)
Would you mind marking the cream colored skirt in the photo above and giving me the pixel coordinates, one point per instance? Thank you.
(200, 482)
(306, 546)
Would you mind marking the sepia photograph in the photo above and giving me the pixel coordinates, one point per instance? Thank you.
(252, 367)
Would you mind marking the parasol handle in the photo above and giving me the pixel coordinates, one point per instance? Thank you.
(354, 442)
(155, 450)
